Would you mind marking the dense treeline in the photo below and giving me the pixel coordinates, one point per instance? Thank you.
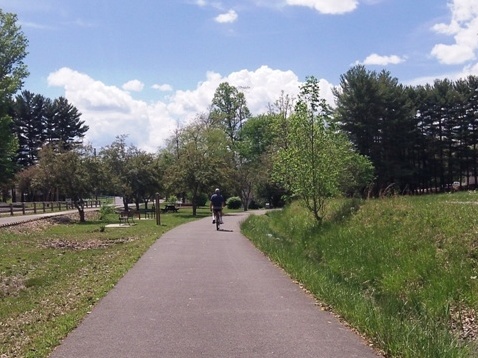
(419, 138)
(39, 121)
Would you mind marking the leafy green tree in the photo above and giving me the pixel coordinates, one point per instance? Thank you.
(69, 173)
(198, 160)
(143, 174)
(45, 179)
(167, 158)
(114, 158)
(130, 172)
(13, 47)
(53, 176)
(257, 136)
(8, 149)
(229, 110)
(357, 174)
(24, 182)
(311, 166)
(99, 174)
(75, 177)
(13, 50)
(281, 111)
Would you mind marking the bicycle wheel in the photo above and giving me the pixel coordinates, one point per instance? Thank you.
(218, 221)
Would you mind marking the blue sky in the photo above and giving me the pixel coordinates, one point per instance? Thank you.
(144, 68)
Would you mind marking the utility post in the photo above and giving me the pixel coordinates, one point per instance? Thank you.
(158, 210)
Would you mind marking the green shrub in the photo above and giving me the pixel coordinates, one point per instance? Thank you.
(106, 210)
(233, 202)
(201, 200)
(255, 205)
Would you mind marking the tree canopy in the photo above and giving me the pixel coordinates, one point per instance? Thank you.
(318, 156)
(421, 138)
(200, 160)
(13, 50)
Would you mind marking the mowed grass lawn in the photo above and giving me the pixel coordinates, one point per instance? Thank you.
(403, 270)
(53, 271)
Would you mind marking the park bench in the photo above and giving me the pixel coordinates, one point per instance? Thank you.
(125, 216)
(169, 208)
(149, 213)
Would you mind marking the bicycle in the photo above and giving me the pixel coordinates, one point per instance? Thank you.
(217, 218)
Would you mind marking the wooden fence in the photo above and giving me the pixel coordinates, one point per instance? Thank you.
(28, 208)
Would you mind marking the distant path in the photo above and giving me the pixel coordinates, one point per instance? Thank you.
(198, 292)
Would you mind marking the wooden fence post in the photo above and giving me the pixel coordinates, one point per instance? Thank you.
(158, 210)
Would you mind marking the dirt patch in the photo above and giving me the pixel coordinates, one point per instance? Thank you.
(85, 245)
(63, 219)
(43, 224)
(28, 227)
(73, 218)
(11, 286)
(464, 323)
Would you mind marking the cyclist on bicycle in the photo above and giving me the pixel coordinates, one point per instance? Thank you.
(217, 203)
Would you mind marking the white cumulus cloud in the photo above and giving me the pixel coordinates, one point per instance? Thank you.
(134, 86)
(110, 111)
(327, 6)
(375, 59)
(463, 27)
(228, 17)
(162, 88)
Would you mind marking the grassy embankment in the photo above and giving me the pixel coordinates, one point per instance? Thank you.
(53, 271)
(403, 271)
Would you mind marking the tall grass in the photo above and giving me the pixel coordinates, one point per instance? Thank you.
(402, 270)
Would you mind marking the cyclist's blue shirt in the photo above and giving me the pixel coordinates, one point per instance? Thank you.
(217, 200)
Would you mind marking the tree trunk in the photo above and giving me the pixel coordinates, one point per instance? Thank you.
(82, 215)
(80, 206)
(194, 200)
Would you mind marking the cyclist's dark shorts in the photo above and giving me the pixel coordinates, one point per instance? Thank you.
(217, 209)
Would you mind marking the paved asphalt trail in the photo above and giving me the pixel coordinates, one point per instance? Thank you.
(198, 292)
